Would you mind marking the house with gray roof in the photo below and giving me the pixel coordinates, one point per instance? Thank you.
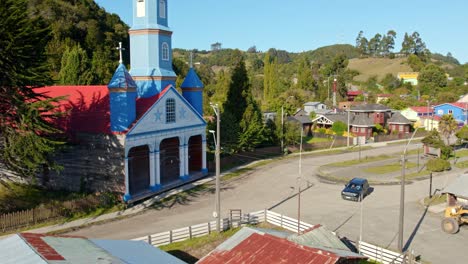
(363, 119)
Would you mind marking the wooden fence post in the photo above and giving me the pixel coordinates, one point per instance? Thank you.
(209, 228)
(265, 213)
(149, 240)
(190, 232)
(170, 237)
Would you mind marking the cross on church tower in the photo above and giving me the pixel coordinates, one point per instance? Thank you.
(120, 52)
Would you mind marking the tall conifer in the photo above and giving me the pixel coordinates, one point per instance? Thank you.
(25, 132)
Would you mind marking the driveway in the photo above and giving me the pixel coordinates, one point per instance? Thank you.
(269, 186)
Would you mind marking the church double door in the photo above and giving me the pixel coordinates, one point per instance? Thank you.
(169, 160)
(195, 154)
(139, 170)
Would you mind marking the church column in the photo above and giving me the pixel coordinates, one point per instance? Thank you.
(152, 164)
(127, 195)
(204, 168)
(182, 158)
(158, 165)
(186, 153)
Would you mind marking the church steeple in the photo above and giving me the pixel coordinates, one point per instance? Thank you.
(151, 47)
(122, 96)
(192, 88)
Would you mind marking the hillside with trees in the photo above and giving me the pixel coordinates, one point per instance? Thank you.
(75, 44)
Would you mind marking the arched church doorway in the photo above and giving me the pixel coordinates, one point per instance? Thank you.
(138, 169)
(169, 160)
(195, 153)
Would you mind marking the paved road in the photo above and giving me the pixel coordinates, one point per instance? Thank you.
(271, 184)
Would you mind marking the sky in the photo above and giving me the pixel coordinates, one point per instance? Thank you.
(302, 25)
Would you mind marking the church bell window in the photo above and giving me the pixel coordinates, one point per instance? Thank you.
(162, 8)
(141, 8)
(170, 110)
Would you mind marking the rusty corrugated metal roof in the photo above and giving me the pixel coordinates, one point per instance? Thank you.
(265, 248)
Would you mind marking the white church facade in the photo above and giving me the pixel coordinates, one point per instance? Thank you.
(137, 135)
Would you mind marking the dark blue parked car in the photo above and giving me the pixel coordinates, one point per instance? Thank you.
(356, 189)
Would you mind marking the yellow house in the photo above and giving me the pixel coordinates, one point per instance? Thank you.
(408, 77)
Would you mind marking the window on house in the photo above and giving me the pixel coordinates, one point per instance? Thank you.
(450, 112)
(400, 128)
(165, 51)
(162, 8)
(170, 110)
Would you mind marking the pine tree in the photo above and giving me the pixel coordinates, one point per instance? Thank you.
(241, 122)
(26, 136)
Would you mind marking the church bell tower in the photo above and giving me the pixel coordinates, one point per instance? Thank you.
(151, 47)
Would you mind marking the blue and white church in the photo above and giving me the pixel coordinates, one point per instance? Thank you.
(151, 137)
(168, 143)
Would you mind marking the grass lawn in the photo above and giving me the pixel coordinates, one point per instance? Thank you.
(415, 175)
(311, 140)
(389, 168)
(436, 199)
(462, 164)
(357, 161)
(462, 153)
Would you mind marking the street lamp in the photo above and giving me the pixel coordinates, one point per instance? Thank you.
(402, 194)
(217, 213)
(282, 122)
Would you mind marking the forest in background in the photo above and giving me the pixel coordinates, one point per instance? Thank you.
(73, 43)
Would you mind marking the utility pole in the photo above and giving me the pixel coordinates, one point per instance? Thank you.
(347, 141)
(402, 194)
(299, 188)
(334, 93)
(217, 213)
(282, 129)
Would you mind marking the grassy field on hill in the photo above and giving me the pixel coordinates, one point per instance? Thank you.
(378, 66)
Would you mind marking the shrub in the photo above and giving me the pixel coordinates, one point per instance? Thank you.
(437, 165)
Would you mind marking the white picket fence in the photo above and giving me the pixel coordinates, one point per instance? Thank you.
(372, 252)
(380, 254)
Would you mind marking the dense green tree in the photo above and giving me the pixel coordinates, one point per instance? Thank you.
(339, 128)
(85, 23)
(241, 122)
(304, 76)
(407, 45)
(388, 42)
(270, 79)
(375, 45)
(27, 138)
(75, 67)
(447, 126)
(462, 134)
(431, 79)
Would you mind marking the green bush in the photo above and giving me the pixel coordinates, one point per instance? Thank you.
(438, 165)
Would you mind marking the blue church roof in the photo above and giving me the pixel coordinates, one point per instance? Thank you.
(192, 80)
(122, 79)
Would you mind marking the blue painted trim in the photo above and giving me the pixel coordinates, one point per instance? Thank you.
(156, 187)
(127, 197)
(205, 172)
(164, 131)
(174, 91)
(185, 177)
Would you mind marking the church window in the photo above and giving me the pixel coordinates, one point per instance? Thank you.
(170, 110)
(165, 51)
(141, 8)
(162, 8)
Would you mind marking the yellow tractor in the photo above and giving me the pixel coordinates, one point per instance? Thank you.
(456, 212)
(454, 217)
